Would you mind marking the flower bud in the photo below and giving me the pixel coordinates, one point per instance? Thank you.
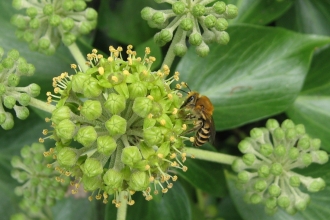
(222, 37)
(210, 21)
(314, 185)
(283, 201)
(306, 159)
(260, 185)
(271, 203)
(320, 156)
(202, 50)
(65, 129)
(142, 106)
(246, 146)
(221, 24)
(9, 122)
(32, 12)
(68, 39)
(139, 181)
(279, 151)
(276, 169)
(9, 102)
(180, 49)
(293, 153)
(106, 145)
(131, 155)
(91, 183)
(178, 8)
(113, 179)
(91, 15)
(195, 39)
(165, 35)
(198, 10)
(294, 181)
(272, 124)
(68, 5)
(86, 135)
(147, 13)
(24, 99)
(67, 157)
(79, 5)
(137, 89)
(266, 149)
(238, 165)
(22, 112)
(91, 88)
(91, 109)
(3, 89)
(274, 190)
(13, 80)
(60, 114)
(244, 176)
(255, 198)
(164, 149)
(116, 125)
(187, 24)
(231, 11)
(219, 7)
(2, 117)
(153, 136)
(315, 144)
(48, 9)
(158, 17)
(92, 167)
(302, 202)
(264, 171)
(249, 159)
(304, 143)
(85, 27)
(67, 24)
(54, 20)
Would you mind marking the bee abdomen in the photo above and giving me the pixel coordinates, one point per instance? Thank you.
(202, 135)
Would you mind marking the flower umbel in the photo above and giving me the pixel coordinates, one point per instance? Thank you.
(266, 169)
(48, 23)
(39, 189)
(12, 67)
(201, 23)
(123, 116)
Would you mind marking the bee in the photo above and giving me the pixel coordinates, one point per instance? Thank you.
(201, 109)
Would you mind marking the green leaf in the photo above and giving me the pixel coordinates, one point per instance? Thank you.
(174, 205)
(205, 175)
(254, 76)
(308, 16)
(122, 21)
(71, 208)
(259, 11)
(312, 107)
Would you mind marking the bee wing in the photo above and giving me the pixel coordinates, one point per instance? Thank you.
(212, 131)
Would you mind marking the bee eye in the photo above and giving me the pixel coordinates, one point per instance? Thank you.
(191, 98)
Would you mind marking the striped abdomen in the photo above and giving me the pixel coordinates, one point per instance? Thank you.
(203, 133)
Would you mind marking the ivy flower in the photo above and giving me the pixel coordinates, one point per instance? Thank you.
(12, 67)
(201, 22)
(124, 116)
(46, 24)
(267, 169)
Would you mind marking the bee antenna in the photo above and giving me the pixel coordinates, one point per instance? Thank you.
(182, 90)
(188, 87)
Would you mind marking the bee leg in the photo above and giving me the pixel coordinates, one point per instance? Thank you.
(197, 126)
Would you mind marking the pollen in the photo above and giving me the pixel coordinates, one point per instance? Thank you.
(73, 66)
(94, 50)
(170, 96)
(184, 168)
(110, 59)
(114, 78)
(120, 49)
(191, 139)
(150, 97)
(174, 178)
(178, 86)
(45, 132)
(160, 156)
(152, 59)
(126, 73)
(147, 167)
(165, 190)
(173, 155)
(163, 122)
(147, 50)
(101, 70)
(184, 127)
(175, 111)
(172, 138)
(41, 140)
(150, 115)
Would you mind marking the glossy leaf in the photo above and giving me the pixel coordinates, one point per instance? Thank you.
(174, 205)
(259, 11)
(254, 76)
(122, 21)
(312, 107)
(308, 16)
(204, 175)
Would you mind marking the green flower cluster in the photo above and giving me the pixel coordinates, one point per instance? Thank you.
(266, 169)
(45, 25)
(38, 189)
(12, 67)
(191, 18)
(125, 118)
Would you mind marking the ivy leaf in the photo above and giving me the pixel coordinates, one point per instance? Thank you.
(308, 16)
(312, 107)
(259, 11)
(252, 77)
(172, 205)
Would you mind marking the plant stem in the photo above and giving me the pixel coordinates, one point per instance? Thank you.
(42, 105)
(169, 58)
(210, 156)
(122, 209)
(77, 55)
